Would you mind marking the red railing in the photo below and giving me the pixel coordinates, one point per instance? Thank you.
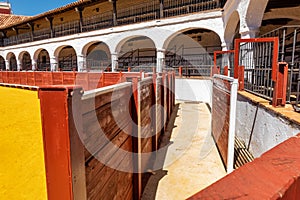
(224, 61)
(263, 75)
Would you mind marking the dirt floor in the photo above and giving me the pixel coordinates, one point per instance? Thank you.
(191, 161)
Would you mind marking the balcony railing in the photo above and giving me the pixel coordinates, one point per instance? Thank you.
(146, 11)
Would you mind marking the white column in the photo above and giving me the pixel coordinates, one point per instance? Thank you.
(114, 61)
(19, 65)
(81, 62)
(249, 32)
(225, 46)
(34, 65)
(160, 60)
(53, 64)
(7, 65)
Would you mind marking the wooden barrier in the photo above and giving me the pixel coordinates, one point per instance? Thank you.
(92, 131)
(88, 80)
(107, 129)
(223, 117)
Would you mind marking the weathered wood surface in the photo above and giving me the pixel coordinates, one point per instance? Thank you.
(220, 116)
(107, 122)
(146, 122)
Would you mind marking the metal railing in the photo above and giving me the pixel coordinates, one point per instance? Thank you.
(96, 22)
(146, 11)
(68, 28)
(201, 70)
(225, 61)
(97, 65)
(258, 60)
(182, 7)
(43, 66)
(138, 57)
(289, 48)
(139, 13)
(68, 63)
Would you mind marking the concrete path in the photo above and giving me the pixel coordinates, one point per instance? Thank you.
(192, 161)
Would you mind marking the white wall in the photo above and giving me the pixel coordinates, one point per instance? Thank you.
(193, 90)
(269, 129)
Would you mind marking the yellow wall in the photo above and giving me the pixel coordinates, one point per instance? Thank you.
(22, 169)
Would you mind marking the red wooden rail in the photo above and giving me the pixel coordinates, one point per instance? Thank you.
(275, 175)
(88, 80)
(67, 173)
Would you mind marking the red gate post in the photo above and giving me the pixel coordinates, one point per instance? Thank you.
(63, 150)
(241, 78)
(279, 95)
(136, 141)
(180, 71)
(226, 71)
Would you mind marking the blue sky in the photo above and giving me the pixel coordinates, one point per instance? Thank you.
(34, 7)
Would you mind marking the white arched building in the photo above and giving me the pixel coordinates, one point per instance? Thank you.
(94, 35)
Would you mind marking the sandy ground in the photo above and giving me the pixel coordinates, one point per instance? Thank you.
(192, 161)
(22, 168)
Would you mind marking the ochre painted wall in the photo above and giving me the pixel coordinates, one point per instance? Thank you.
(22, 168)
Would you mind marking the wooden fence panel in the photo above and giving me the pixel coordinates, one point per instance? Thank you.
(69, 78)
(47, 78)
(23, 78)
(159, 109)
(223, 117)
(58, 78)
(95, 80)
(146, 126)
(38, 78)
(106, 123)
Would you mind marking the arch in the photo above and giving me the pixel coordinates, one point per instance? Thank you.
(25, 60)
(182, 31)
(2, 64)
(67, 58)
(255, 13)
(98, 56)
(192, 48)
(13, 66)
(136, 51)
(232, 28)
(42, 60)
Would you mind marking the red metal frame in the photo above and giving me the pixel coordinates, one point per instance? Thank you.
(216, 53)
(279, 70)
(275, 40)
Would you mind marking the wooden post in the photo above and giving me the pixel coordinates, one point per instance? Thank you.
(241, 77)
(137, 177)
(63, 150)
(279, 95)
(180, 71)
(226, 71)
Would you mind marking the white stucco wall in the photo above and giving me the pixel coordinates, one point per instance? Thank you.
(269, 129)
(193, 90)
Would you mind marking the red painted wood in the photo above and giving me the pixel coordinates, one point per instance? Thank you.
(275, 175)
(241, 78)
(55, 125)
(279, 95)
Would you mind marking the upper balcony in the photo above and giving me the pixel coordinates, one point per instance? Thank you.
(30, 31)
